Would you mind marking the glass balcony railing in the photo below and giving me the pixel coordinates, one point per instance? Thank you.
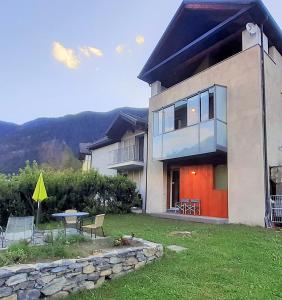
(203, 137)
(126, 154)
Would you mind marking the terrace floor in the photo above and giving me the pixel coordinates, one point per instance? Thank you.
(189, 218)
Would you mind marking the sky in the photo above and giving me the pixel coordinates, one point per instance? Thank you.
(64, 57)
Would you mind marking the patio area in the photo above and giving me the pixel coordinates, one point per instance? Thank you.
(191, 218)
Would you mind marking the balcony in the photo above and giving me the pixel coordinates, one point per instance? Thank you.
(127, 158)
(202, 129)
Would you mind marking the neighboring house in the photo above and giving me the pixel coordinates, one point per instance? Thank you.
(215, 112)
(85, 156)
(123, 150)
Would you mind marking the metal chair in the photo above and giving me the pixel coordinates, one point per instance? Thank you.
(72, 221)
(98, 223)
(185, 205)
(18, 228)
(196, 207)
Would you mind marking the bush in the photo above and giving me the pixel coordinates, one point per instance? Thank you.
(67, 189)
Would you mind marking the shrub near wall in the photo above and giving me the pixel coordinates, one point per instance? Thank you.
(67, 189)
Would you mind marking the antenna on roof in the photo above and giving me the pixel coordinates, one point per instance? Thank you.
(251, 28)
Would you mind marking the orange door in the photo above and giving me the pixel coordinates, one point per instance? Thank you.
(197, 182)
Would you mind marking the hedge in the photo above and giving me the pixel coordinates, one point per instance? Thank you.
(66, 189)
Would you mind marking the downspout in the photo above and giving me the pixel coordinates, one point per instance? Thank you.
(267, 219)
(146, 185)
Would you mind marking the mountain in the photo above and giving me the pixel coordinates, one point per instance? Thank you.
(7, 128)
(53, 141)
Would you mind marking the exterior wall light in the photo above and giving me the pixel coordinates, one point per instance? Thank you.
(194, 173)
(193, 110)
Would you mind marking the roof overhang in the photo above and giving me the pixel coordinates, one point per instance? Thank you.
(121, 124)
(124, 123)
(102, 143)
(188, 35)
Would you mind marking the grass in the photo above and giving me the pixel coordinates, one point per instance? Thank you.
(22, 252)
(71, 247)
(222, 262)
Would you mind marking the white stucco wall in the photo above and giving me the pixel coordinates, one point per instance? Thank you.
(86, 163)
(273, 78)
(137, 175)
(100, 159)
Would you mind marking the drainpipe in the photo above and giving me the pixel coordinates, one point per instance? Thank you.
(146, 186)
(267, 219)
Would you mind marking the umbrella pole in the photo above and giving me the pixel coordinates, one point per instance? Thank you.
(38, 213)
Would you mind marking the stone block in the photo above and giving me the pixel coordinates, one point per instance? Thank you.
(86, 285)
(104, 266)
(131, 261)
(5, 273)
(88, 269)
(93, 277)
(149, 252)
(140, 264)
(54, 286)
(116, 260)
(176, 248)
(78, 265)
(117, 268)
(16, 279)
(46, 279)
(32, 294)
(24, 285)
(5, 291)
(11, 297)
(106, 272)
(80, 277)
(59, 270)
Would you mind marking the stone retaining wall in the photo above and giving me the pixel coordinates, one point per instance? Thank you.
(59, 278)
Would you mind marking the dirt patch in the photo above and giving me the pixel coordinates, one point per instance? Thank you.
(181, 233)
(102, 245)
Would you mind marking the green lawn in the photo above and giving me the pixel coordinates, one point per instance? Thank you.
(222, 262)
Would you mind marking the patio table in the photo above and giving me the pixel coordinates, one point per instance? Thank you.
(63, 215)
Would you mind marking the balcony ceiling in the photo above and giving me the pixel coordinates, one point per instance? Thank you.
(127, 166)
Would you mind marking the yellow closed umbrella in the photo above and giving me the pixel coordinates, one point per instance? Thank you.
(39, 194)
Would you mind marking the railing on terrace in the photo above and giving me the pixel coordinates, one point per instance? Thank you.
(126, 154)
(276, 209)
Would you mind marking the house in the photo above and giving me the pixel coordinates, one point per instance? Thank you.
(215, 112)
(123, 150)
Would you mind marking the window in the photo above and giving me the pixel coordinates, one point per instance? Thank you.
(221, 105)
(180, 114)
(193, 110)
(220, 177)
(158, 122)
(207, 105)
(169, 119)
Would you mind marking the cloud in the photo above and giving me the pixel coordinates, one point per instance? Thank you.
(120, 48)
(90, 51)
(140, 39)
(66, 56)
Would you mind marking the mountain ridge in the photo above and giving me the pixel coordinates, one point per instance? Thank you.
(30, 141)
